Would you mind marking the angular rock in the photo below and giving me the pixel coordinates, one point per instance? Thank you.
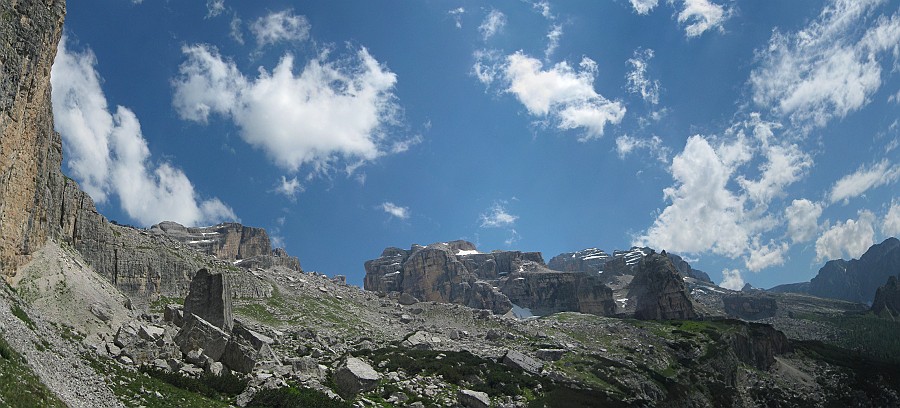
(197, 333)
(659, 290)
(307, 368)
(473, 399)
(406, 299)
(174, 313)
(102, 311)
(242, 357)
(210, 299)
(518, 360)
(550, 354)
(354, 377)
(257, 340)
(150, 332)
(215, 368)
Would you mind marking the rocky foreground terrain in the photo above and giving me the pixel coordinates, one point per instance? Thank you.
(96, 314)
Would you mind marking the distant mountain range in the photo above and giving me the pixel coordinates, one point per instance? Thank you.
(855, 280)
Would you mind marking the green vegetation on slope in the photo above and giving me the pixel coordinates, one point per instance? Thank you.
(19, 386)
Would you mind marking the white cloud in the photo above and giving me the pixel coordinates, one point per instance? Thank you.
(486, 67)
(492, 24)
(497, 217)
(803, 220)
(626, 145)
(330, 110)
(513, 238)
(395, 210)
(847, 239)
(638, 83)
(281, 26)
(891, 225)
(562, 93)
(544, 8)
(109, 156)
(214, 8)
(731, 279)
(457, 16)
(764, 256)
(553, 37)
(703, 214)
(700, 16)
(829, 68)
(289, 187)
(784, 165)
(643, 6)
(857, 183)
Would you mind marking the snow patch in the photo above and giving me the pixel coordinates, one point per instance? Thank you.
(469, 252)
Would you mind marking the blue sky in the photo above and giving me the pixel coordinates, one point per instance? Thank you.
(756, 138)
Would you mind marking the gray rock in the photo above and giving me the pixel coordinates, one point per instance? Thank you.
(101, 311)
(405, 319)
(550, 354)
(195, 357)
(307, 368)
(354, 377)
(174, 313)
(257, 340)
(200, 334)
(473, 399)
(421, 340)
(406, 299)
(242, 357)
(150, 332)
(210, 299)
(127, 335)
(518, 360)
(215, 368)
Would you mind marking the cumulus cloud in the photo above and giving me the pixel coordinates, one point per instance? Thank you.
(643, 6)
(637, 81)
(803, 220)
(700, 16)
(108, 155)
(493, 23)
(848, 239)
(731, 279)
(330, 110)
(891, 225)
(829, 68)
(457, 16)
(214, 8)
(764, 256)
(863, 179)
(784, 165)
(281, 26)
(497, 217)
(564, 95)
(289, 187)
(703, 214)
(395, 211)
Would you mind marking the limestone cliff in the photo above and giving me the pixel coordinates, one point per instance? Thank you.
(659, 290)
(30, 151)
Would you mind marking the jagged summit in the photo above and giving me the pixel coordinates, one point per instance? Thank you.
(620, 262)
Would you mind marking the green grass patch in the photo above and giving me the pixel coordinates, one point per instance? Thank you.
(18, 312)
(158, 305)
(19, 386)
(290, 397)
(136, 389)
(217, 387)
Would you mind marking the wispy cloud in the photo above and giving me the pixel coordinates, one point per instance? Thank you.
(289, 187)
(637, 81)
(214, 8)
(280, 26)
(497, 217)
(395, 211)
(493, 23)
(456, 14)
(863, 179)
(698, 16)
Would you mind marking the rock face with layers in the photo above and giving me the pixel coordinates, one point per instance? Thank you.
(660, 291)
(750, 306)
(230, 241)
(619, 263)
(456, 272)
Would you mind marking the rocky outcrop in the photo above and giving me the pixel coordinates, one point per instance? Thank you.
(544, 292)
(758, 344)
(30, 150)
(659, 290)
(887, 298)
(591, 259)
(855, 280)
(442, 272)
(619, 263)
(750, 306)
(686, 270)
(355, 376)
(210, 299)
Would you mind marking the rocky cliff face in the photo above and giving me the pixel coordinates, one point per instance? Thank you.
(887, 298)
(855, 280)
(619, 263)
(456, 272)
(750, 306)
(659, 290)
(30, 151)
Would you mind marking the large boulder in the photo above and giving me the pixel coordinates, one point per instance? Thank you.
(210, 299)
(354, 377)
(522, 362)
(198, 334)
(473, 399)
